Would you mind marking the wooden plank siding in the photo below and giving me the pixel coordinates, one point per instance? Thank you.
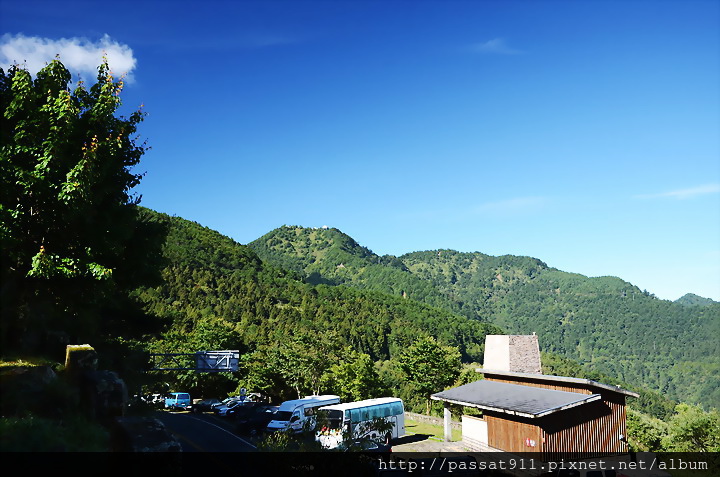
(590, 429)
(511, 436)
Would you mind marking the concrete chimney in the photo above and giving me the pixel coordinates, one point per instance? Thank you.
(515, 353)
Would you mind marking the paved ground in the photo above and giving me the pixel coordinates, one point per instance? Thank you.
(424, 443)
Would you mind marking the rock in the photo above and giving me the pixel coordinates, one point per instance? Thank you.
(142, 434)
(80, 358)
(105, 394)
(22, 388)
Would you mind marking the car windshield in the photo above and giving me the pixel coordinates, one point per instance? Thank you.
(283, 415)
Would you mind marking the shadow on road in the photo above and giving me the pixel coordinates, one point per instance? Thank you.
(410, 439)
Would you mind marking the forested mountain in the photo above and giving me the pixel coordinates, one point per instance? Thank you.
(604, 323)
(328, 256)
(217, 294)
(210, 275)
(691, 299)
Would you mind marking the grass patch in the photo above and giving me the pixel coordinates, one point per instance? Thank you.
(37, 434)
(435, 431)
(29, 362)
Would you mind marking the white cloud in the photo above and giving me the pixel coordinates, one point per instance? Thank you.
(79, 55)
(684, 193)
(495, 46)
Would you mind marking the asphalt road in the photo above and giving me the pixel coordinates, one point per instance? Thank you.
(203, 433)
(210, 447)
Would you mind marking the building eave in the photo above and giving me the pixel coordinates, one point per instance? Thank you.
(563, 379)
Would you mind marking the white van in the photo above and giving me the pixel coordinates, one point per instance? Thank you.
(298, 413)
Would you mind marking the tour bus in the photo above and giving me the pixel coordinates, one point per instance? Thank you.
(353, 420)
(296, 414)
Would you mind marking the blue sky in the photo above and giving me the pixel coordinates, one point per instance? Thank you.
(585, 134)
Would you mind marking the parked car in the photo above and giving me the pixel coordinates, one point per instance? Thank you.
(254, 419)
(178, 401)
(204, 405)
(231, 407)
(224, 402)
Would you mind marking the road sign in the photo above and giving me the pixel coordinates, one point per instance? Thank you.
(201, 361)
(216, 361)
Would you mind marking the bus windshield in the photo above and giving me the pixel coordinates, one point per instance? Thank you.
(330, 418)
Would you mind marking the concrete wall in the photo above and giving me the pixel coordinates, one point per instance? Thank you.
(497, 352)
(474, 430)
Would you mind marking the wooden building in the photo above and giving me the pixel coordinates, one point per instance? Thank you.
(554, 415)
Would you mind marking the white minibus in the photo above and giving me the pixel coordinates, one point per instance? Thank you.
(298, 413)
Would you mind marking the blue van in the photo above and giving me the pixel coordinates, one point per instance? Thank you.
(178, 401)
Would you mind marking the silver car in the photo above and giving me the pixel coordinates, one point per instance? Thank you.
(229, 407)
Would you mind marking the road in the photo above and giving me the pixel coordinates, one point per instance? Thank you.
(203, 433)
(210, 447)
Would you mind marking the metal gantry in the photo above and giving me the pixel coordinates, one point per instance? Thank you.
(200, 361)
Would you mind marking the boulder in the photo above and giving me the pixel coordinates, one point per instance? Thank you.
(142, 434)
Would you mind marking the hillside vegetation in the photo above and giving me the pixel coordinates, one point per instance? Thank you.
(217, 294)
(605, 323)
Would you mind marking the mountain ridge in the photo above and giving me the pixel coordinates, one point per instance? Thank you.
(691, 299)
(606, 322)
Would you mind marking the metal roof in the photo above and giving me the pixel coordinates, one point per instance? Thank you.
(516, 399)
(562, 379)
(357, 404)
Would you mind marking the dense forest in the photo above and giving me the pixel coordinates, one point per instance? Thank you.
(608, 325)
(217, 294)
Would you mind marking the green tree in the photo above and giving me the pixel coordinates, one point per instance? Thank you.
(70, 234)
(354, 378)
(693, 430)
(645, 433)
(303, 359)
(430, 367)
(258, 375)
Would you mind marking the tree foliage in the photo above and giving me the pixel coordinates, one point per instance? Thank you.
(295, 338)
(353, 377)
(689, 429)
(693, 430)
(430, 367)
(68, 219)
